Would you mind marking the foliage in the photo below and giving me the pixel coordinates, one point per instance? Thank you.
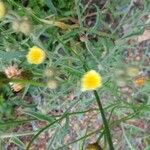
(76, 37)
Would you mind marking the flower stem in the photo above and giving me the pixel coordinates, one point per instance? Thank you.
(104, 120)
(23, 81)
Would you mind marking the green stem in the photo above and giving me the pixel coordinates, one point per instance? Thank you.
(104, 120)
(102, 114)
(23, 81)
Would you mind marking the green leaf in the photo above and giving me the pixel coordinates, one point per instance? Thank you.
(7, 56)
(40, 116)
(1, 99)
(50, 4)
(13, 134)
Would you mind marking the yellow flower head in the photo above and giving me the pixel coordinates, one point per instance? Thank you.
(93, 146)
(2, 10)
(91, 80)
(35, 55)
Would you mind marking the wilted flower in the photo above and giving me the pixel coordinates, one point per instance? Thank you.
(14, 72)
(139, 81)
(16, 87)
(2, 10)
(35, 55)
(91, 80)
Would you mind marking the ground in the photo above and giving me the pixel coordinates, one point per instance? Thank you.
(42, 106)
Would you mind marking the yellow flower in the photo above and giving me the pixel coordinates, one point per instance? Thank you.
(91, 80)
(2, 10)
(35, 55)
(93, 146)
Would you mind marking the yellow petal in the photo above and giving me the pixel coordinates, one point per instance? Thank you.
(91, 80)
(35, 55)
